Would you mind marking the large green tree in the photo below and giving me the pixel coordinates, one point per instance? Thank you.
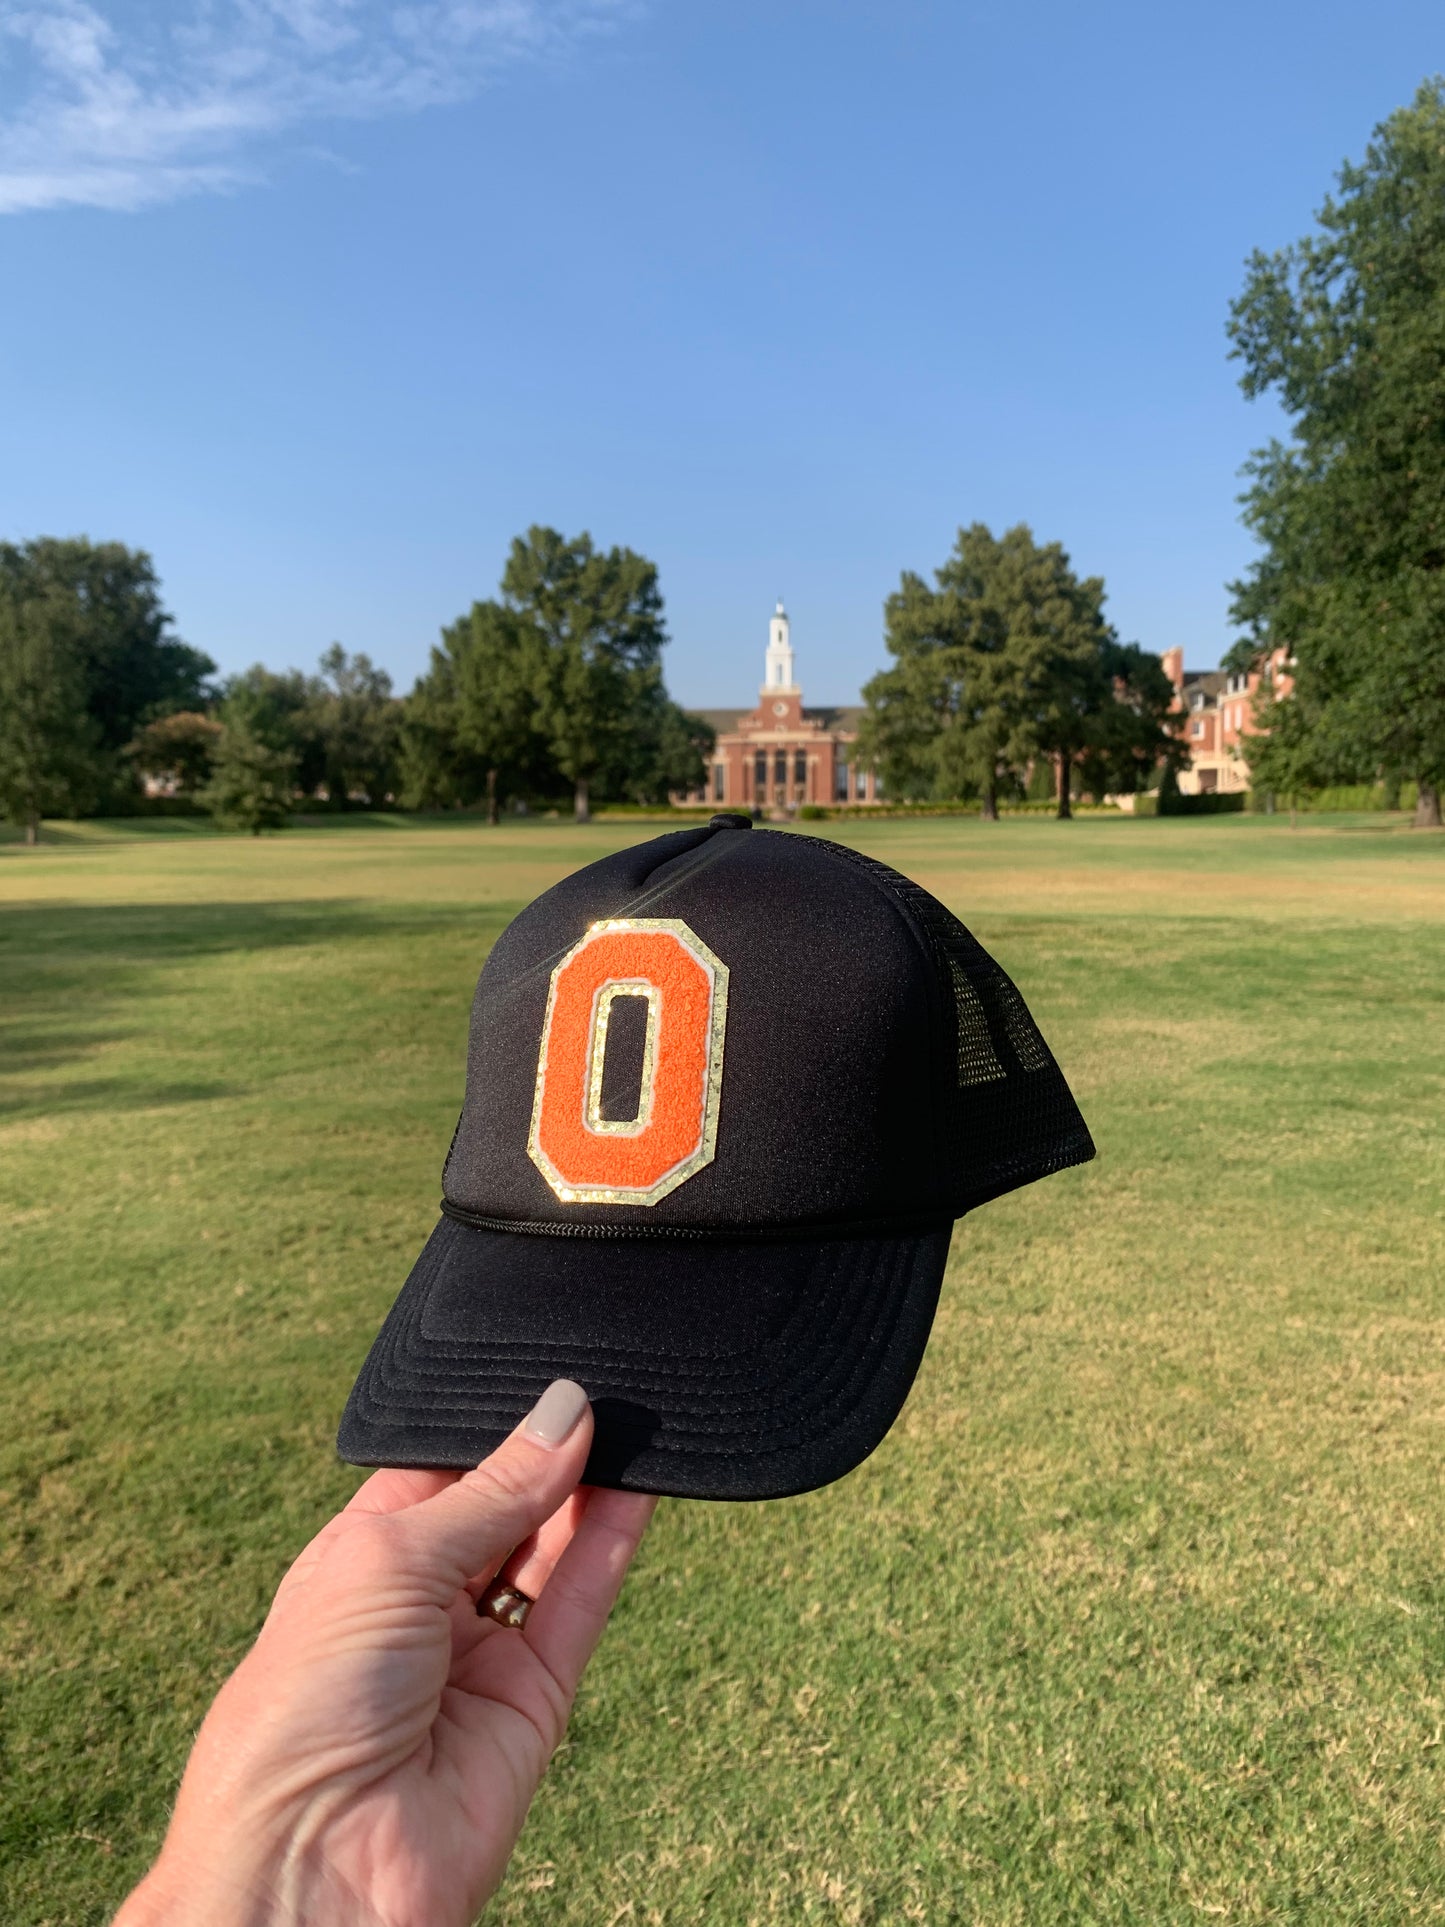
(1006, 660)
(554, 687)
(130, 668)
(52, 760)
(473, 725)
(598, 616)
(939, 723)
(1347, 329)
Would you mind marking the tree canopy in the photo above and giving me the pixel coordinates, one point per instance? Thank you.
(52, 761)
(253, 784)
(339, 732)
(358, 727)
(555, 685)
(1347, 329)
(178, 750)
(84, 632)
(1008, 661)
(134, 670)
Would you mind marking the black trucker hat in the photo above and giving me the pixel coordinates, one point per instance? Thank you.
(727, 1091)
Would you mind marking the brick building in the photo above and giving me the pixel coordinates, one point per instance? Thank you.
(1215, 708)
(781, 753)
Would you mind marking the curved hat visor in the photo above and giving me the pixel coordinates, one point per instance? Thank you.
(716, 1370)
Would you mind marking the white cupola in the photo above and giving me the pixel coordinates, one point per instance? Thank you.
(779, 671)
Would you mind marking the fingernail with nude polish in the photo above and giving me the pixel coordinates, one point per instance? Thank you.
(554, 1417)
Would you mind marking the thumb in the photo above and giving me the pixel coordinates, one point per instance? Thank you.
(469, 1528)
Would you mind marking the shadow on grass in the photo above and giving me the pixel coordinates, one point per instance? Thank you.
(71, 973)
(97, 832)
(109, 1094)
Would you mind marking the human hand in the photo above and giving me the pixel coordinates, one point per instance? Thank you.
(371, 1761)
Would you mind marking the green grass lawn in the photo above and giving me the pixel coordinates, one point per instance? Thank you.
(1138, 1616)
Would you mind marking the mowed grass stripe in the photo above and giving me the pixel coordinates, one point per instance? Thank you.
(1136, 1616)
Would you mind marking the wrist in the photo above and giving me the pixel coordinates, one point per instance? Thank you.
(231, 1886)
(169, 1896)
(241, 1850)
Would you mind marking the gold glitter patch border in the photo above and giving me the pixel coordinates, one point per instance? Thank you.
(685, 1168)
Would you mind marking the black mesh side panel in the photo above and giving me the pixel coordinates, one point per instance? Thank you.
(1011, 1115)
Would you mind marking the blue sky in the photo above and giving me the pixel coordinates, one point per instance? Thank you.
(322, 300)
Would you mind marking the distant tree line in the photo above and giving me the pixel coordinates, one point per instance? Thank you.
(551, 692)
(1007, 680)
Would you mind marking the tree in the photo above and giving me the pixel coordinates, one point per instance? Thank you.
(939, 724)
(1009, 659)
(1130, 734)
(1284, 757)
(178, 749)
(253, 784)
(598, 616)
(357, 723)
(52, 761)
(130, 669)
(554, 686)
(282, 711)
(472, 725)
(1347, 328)
(1057, 646)
(671, 749)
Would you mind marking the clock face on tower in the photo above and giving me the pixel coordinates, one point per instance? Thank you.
(780, 709)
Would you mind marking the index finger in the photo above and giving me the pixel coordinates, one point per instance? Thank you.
(567, 1621)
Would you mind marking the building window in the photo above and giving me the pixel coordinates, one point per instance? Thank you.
(760, 776)
(1196, 729)
(840, 782)
(780, 771)
(719, 782)
(861, 792)
(800, 769)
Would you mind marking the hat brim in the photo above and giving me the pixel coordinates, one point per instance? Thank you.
(716, 1370)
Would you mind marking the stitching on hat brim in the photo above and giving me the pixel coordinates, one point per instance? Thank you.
(425, 1393)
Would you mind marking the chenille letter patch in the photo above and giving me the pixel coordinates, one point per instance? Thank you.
(589, 1157)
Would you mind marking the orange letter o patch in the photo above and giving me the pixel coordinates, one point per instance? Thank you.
(589, 1159)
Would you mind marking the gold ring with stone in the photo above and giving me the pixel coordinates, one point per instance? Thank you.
(505, 1605)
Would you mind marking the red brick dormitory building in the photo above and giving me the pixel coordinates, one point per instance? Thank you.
(781, 754)
(1214, 717)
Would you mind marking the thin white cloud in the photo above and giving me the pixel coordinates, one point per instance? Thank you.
(119, 111)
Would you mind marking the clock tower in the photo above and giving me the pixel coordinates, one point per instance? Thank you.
(780, 755)
(778, 673)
